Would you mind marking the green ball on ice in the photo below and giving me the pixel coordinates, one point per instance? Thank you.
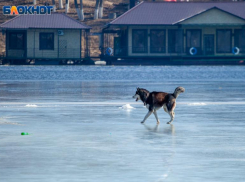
(24, 133)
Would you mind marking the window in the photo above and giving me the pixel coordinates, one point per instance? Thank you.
(16, 40)
(240, 40)
(158, 41)
(193, 38)
(223, 41)
(46, 41)
(139, 41)
(175, 41)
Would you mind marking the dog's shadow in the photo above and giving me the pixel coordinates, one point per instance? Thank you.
(170, 130)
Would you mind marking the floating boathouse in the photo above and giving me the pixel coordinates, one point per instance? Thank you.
(45, 39)
(177, 33)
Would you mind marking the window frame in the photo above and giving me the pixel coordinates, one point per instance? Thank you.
(221, 52)
(237, 40)
(40, 43)
(192, 30)
(164, 40)
(145, 41)
(10, 44)
(182, 41)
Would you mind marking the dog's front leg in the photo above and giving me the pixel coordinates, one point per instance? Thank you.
(146, 116)
(171, 114)
(155, 113)
(171, 111)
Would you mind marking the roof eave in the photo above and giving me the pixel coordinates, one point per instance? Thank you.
(142, 25)
(127, 12)
(76, 23)
(8, 28)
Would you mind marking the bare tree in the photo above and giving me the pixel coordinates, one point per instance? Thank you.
(67, 6)
(60, 4)
(81, 10)
(96, 9)
(132, 3)
(34, 2)
(77, 9)
(54, 7)
(101, 9)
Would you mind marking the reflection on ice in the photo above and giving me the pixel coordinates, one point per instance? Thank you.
(166, 129)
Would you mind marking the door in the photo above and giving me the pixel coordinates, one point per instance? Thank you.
(63, 49)
(117, 46)
(208, 44)
(16, 44)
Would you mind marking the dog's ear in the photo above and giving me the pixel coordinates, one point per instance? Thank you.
(138, 88)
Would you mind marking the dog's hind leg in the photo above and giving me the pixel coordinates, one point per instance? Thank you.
(155, 113)
(165, 108)
(146, 116)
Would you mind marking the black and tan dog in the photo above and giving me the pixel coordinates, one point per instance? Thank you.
(155, 100)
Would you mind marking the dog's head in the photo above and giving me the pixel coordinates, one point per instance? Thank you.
(179, 90)
(140, 94)
(137, 95)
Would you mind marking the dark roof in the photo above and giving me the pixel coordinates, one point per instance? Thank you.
(170, 13)
(55, 20)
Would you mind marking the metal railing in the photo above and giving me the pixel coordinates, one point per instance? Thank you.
(163, 51)
(124, 51)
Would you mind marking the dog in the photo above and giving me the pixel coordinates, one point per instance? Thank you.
(155, 100)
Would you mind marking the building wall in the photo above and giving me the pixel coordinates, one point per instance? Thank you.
(19, 54)
(65, 46)
(205, 30)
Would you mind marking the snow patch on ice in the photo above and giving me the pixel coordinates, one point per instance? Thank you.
(126, 106)
(197, 104)
(31, 105)
(8, 123)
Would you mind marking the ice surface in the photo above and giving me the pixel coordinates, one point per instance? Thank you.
(78, 133)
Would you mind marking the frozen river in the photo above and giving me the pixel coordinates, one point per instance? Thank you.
(81, 131)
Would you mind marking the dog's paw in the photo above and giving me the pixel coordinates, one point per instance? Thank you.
(142, 122)
(158, 122)
(169, 122)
